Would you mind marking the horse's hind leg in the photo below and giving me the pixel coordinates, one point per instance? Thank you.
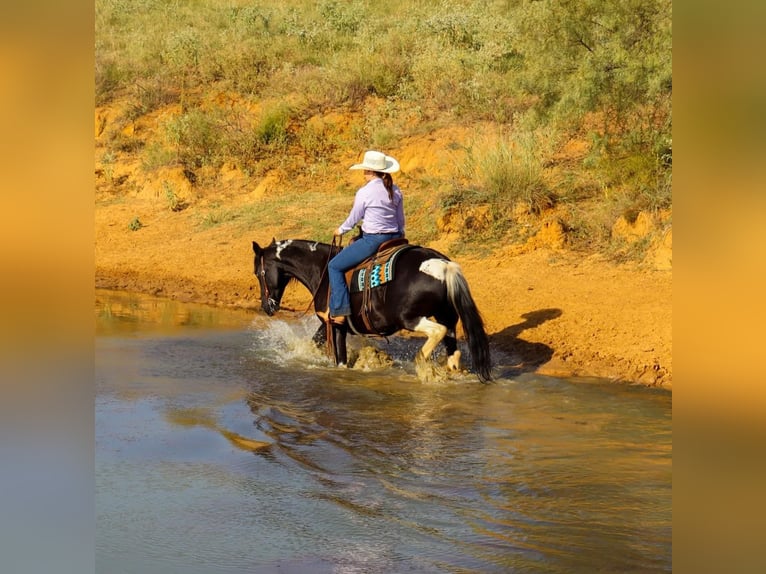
(453, 355)
(435, 333)
(426, 369)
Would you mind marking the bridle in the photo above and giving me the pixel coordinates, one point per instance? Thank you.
(262, 273)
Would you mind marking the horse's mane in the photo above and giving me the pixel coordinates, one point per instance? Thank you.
(306, 243)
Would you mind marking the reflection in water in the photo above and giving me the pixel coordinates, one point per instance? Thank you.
(201, 417)
(119, 313)
(367, 472)
(537, 478)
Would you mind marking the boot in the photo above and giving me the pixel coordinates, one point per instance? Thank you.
(325, 316)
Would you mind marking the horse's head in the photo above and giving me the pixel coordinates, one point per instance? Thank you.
(272, 278)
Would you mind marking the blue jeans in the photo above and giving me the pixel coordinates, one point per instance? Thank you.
(349, 256)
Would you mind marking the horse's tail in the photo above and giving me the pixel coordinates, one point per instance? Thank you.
(478, 343)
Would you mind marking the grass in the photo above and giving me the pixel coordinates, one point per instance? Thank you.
(244, 80)
(307, 215)
(502, 176)
(174, 202)
(217, 216)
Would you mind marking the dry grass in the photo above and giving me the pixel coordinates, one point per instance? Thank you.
(248, 79)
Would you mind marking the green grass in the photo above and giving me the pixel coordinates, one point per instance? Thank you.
(502, 177)
(597, 70)
(172, 200)
(216, 216)
(307, 215)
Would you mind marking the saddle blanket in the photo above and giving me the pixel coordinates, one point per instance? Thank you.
(376, 271)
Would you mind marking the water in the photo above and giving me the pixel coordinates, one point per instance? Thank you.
(226, 443)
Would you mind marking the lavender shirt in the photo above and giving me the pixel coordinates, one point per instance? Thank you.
(379, 213)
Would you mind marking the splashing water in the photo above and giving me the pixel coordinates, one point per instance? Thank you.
(289, 343)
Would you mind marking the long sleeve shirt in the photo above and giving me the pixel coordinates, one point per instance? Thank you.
(378, 213)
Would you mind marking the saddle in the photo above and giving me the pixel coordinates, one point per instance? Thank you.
(374, 272)
(377, 269)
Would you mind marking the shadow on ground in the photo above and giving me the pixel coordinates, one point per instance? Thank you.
(525, 356)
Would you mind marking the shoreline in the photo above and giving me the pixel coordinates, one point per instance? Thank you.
(568, 339)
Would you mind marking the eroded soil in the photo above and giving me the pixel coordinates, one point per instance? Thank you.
(547, 309)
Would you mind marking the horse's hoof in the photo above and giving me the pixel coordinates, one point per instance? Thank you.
(427, 371)
(453, 361)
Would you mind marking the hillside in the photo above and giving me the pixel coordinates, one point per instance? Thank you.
(550, 306)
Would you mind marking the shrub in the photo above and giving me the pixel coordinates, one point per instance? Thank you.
(272, 128)
(174, 202)
(503, 173)
(196, 136)
(538, 67)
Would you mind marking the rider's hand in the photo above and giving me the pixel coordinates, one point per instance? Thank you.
(337, 232)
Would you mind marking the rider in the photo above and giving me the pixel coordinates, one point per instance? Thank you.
(380, 205)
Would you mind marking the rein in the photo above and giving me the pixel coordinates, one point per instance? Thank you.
(330, 338)
(263, 275)
(337, 244)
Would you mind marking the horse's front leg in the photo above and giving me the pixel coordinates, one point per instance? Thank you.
(339, 339)
(320, 337)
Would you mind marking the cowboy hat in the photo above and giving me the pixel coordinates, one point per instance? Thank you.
(377, 161)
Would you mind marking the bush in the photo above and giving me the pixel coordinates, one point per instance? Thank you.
(535, 67)
(505, 174)
(196, 136)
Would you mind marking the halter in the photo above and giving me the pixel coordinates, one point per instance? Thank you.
(262, 273)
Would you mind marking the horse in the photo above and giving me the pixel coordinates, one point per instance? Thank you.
(428, 294)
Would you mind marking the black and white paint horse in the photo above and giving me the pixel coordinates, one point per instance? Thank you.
(427, 295)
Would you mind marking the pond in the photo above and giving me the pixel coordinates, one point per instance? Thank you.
(225, 442)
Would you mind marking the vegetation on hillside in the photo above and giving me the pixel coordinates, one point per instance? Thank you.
(545, 73)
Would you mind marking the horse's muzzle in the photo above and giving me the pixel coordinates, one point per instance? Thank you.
(270, 306)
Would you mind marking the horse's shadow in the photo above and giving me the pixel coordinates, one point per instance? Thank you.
(526, 356)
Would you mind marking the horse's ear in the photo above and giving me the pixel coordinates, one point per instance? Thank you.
(256, 247)
(273, 240)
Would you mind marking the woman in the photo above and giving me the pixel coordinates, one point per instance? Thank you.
(380, 206)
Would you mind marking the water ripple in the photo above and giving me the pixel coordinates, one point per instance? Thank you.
(279, 462)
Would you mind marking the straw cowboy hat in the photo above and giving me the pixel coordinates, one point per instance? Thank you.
(377, 161)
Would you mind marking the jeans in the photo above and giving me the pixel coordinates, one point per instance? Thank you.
(348, 257)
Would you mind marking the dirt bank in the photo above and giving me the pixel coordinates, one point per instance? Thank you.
(549, 311)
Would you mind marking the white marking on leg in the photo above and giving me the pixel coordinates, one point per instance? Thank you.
(281, 245)
(453, 361)
(436, 268)
(434, 331)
